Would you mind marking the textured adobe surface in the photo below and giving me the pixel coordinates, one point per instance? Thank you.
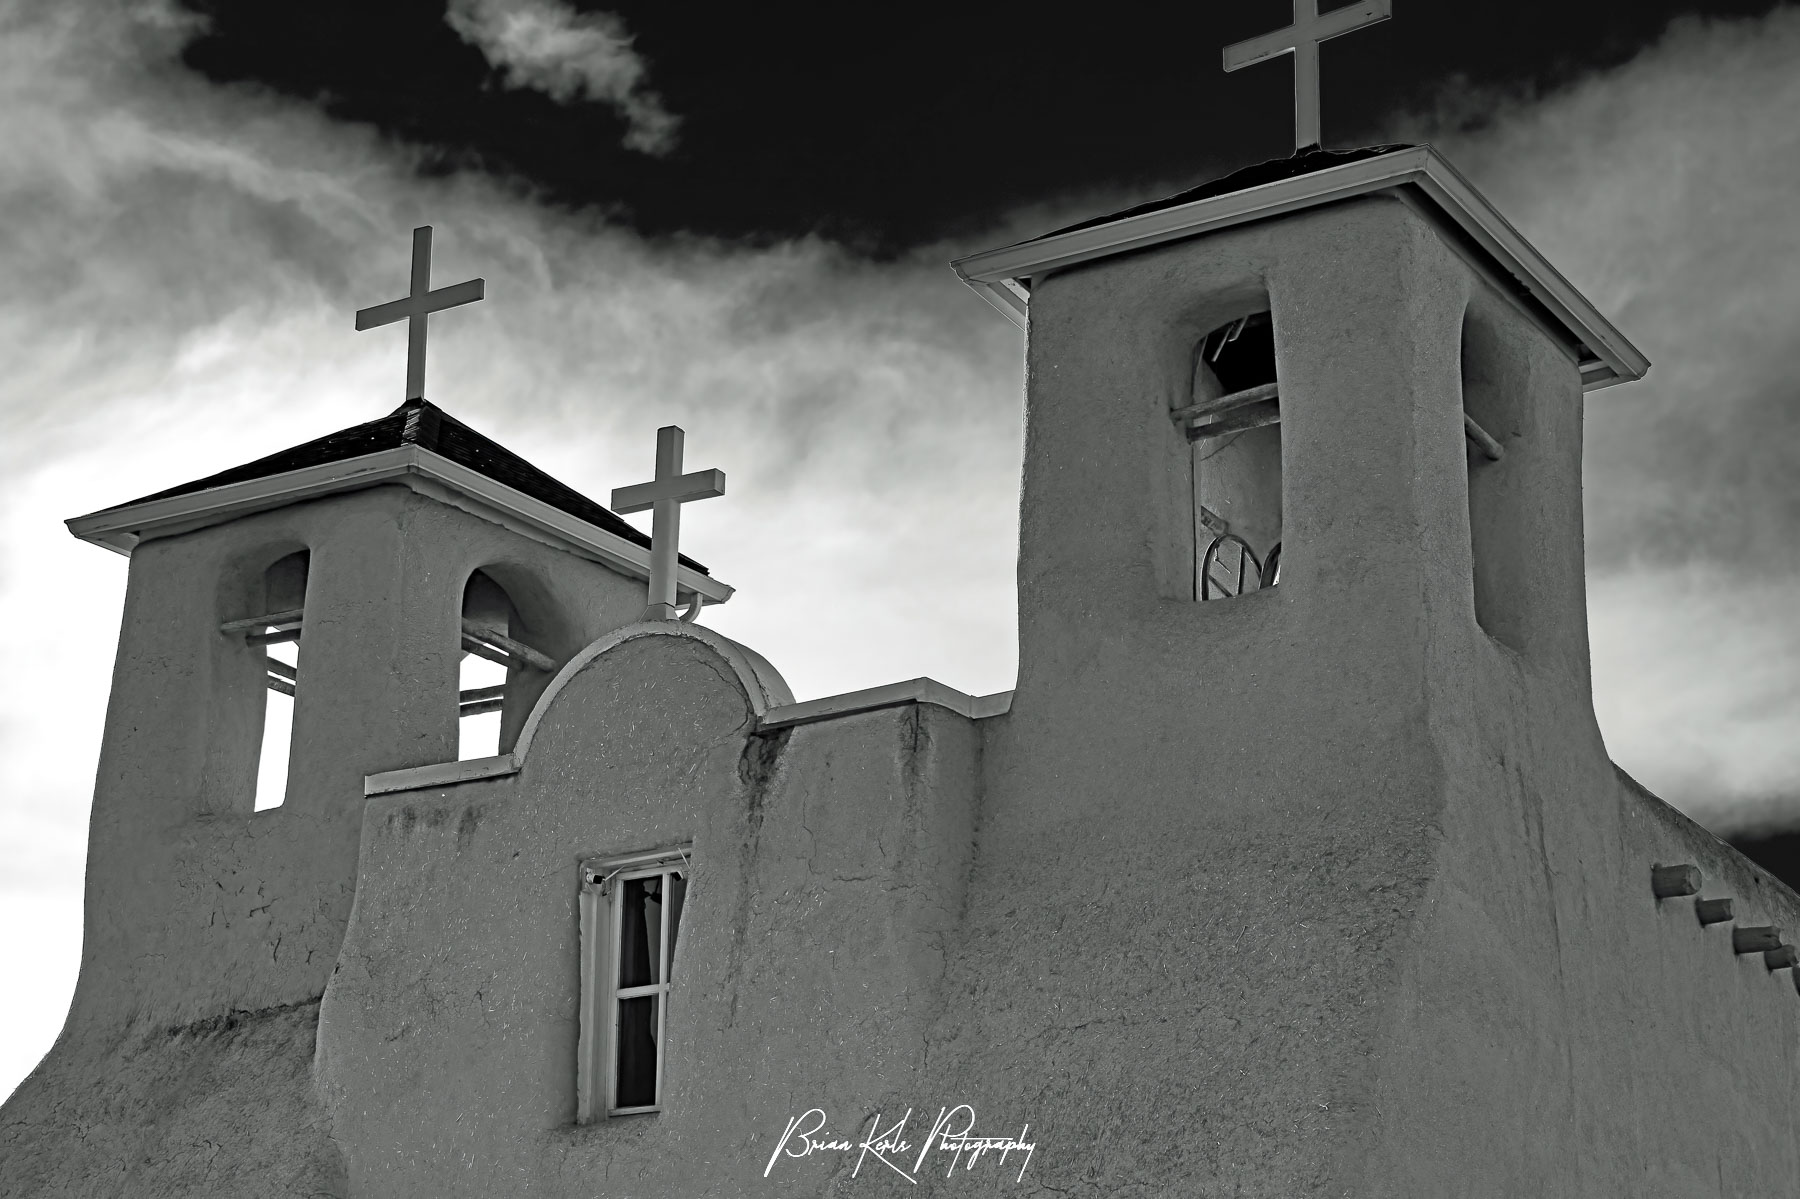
(1329, 890)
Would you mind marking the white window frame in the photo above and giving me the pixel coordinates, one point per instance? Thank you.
(602, 911)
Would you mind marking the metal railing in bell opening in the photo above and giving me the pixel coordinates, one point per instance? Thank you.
(1230, 568)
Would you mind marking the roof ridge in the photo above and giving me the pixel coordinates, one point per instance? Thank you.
(419, 422)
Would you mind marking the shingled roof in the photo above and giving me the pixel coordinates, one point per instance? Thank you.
(424, 424)
(1414, 174)
(1273, 171)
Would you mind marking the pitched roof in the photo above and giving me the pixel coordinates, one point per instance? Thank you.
(1416, 175)
(424, 424)
(1303, 162)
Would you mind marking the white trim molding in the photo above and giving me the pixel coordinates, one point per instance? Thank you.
(1417, 174)
(424, 471)
(601, 902)
(769, 717)
(892, 695)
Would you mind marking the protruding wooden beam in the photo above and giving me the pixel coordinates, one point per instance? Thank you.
(1225, 403)
(1712, 911)
(1755, 939)
(1238, 420)
(1669, 882)
(1483, 440)
(273, 638)
(289, 617)
(1783, 957)
(517, 649)
(476, 695)
(282, 669)
(279, 684)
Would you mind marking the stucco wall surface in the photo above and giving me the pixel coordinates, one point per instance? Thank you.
(197, 906)
(1206, 828)
(827, 866)
(221, 1107)
(1561, 1031)
(1327, 890)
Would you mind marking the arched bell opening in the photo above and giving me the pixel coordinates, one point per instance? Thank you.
(513, 638)
(265, 611)
(1232, 419)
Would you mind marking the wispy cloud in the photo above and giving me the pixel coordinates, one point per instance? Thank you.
(547, 46)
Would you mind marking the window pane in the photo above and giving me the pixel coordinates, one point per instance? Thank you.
(677, 897)
(637, 1051)
(640, 931)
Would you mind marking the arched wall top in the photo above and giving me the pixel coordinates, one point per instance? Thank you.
(762, 683)
(763, 686)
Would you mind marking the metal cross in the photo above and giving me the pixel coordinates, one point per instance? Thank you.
(418, 306)
(1301, 39)
(665, 496)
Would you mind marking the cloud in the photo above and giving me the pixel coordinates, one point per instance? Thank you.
(549, 47)
(1664, 190)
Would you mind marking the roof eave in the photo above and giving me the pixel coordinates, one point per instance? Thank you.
(120, 529)
(1001, 276)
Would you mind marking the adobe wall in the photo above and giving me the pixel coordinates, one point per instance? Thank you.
(1207, 827)
(1558, 1030)
(827, 872)
(198, 909)
(223, 1107)
(197, 905)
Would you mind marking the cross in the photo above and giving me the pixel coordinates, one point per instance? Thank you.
(1302, 39)
(665, 496)
(418, 306)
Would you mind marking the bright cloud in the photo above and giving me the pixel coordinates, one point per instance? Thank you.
(549, 47)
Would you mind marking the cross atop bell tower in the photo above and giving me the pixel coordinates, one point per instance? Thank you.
(416, 309)
(1301, 39)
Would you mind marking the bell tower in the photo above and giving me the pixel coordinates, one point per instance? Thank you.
(1284, 783)
(349, 576)
(1350, 361)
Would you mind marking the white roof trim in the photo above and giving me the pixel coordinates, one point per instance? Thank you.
(892, 695)
(1000, 276)
(439, 774)
(120, 529)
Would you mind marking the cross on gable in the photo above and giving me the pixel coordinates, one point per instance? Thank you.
(1301, 39)
(416, 307)
(664, 496)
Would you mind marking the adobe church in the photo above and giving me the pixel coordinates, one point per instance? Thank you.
(1294, 865)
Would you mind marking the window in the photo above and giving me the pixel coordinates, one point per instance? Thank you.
(1233, 422)
(284, 594)
(630, 914)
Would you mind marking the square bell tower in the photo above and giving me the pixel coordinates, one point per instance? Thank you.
(1337, 390)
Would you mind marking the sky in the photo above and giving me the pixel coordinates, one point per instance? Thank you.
(741, 224)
